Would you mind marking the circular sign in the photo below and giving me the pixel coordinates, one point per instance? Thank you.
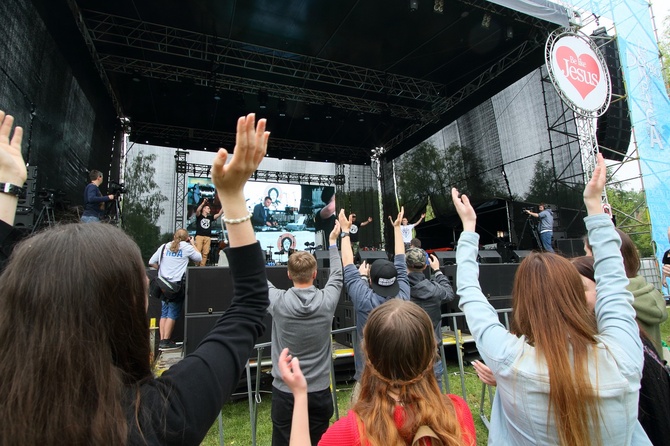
(579, 73)
(285, 242)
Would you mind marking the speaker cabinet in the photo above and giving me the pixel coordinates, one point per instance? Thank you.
(489, 256)
(614, 126)
(322, 259)
(446, 257)
(371, 256)
(519, 254)
(570, 247)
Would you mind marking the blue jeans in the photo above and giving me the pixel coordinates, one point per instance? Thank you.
(438, 370)
(545, 238)
(89, 219)
(171, 310)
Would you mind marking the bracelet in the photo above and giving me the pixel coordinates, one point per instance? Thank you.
(13, 189)
(237, 221)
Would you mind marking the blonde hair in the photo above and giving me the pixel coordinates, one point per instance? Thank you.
(301, 266)
(181, 235)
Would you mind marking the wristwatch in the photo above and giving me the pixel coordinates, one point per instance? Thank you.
(344, 234)
(13, 189)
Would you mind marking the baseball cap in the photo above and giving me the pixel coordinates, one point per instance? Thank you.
(416, 258)
(384, 278)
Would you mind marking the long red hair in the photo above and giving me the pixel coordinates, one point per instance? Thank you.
(550, 310)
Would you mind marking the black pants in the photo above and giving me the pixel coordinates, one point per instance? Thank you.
(319, 407)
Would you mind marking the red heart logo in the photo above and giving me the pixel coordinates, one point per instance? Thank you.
(581, 71)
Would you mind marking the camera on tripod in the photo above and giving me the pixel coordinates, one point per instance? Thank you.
(47, 194)
(115, 188)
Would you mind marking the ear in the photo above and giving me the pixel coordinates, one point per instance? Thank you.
(288, 274)
(313, 274)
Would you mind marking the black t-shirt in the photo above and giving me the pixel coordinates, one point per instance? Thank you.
(353, 233)
(203, 225)
(326, 225)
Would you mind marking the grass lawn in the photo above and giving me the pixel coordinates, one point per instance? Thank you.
(237, 430)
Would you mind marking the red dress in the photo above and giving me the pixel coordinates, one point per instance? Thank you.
(344, 432)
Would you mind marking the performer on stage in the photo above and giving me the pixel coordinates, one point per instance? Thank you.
(203, 229)
(261, 215)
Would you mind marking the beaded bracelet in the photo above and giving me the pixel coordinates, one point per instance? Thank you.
(236, 221)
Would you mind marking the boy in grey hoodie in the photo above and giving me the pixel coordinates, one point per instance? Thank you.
(429, 295)
(302, 319)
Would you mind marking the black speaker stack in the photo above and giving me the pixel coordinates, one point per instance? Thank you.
(25, 209)
(614, 126)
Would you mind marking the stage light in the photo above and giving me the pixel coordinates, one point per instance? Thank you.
(510, 33)
(136, 76)
(413, 5)
(217, 96)
(438, 7)
(307, 116)
(262, 99)
(361, 117)
(329, 111)
(281, 107)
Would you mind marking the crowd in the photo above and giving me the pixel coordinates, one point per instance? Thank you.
(580, 365)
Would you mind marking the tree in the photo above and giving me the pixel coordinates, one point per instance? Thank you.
(629, 208)
(142, 204)
(664, 47)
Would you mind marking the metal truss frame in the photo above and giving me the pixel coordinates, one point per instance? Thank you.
(300, 149)
(180, 159)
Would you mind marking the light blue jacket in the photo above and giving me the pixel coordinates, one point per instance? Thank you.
(519, 414)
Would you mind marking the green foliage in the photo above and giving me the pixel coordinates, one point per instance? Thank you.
(632, 217)
(142, 204)
(545, 188)
(427, 172)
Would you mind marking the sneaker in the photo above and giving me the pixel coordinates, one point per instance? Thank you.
(167, 344)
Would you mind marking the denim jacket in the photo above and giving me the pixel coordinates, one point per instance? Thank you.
(520, 408)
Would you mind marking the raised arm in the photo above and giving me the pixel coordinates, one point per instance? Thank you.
(12, 167)
(289, 368)
(250, 148)
(397, 235)
(366, 222)
(198, 211)
(219, 214)
(345, 226)
(420, 219)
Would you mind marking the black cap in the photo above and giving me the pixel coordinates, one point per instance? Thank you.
(384, 278)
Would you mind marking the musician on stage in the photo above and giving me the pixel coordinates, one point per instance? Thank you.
(203, 229)
(261, 216)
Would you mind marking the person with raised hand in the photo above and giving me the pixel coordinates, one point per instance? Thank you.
(400, 402)
(87, 378)
(565, 376)
(13, 175)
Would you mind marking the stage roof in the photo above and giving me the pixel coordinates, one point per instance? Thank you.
(367, 74)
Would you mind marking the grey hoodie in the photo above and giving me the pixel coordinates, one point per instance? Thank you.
(302, 319)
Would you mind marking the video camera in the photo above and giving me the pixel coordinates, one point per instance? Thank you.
(115, 188)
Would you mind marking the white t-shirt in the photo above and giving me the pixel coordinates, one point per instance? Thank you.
(406, 231)
(173, 264)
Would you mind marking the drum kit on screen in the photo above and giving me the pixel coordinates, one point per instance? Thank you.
(285, 250)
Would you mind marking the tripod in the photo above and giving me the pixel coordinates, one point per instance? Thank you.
(47, 213)
(533, 229)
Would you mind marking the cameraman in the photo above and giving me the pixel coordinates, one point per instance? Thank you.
(94, 207)
(546, 226)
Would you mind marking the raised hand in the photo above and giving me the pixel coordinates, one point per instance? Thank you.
(335, 233)
(398, 220)
(434, 263)
(12, 167)
(594, 188)
(345, 222)
(465, 210)
(484, 373)
(364, 269)
(251, 145)
(289, 368)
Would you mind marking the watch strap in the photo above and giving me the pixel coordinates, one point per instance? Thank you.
(13, 189)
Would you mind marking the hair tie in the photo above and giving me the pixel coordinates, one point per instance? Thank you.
(397, 382)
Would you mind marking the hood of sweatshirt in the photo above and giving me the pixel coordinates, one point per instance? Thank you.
(303, 301)
(648, 302)
(420, 287)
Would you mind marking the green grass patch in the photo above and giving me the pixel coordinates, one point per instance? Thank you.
(237, 426)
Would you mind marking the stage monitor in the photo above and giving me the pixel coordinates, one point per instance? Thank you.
(322, 258)
(371, 256)
(446, 257)
(489, 256)
(518, 255)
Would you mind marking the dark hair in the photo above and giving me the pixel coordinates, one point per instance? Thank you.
(74, 336)
(415, 242)
(266, 199)
(631, 258)
(585, 267)
(94, 175)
